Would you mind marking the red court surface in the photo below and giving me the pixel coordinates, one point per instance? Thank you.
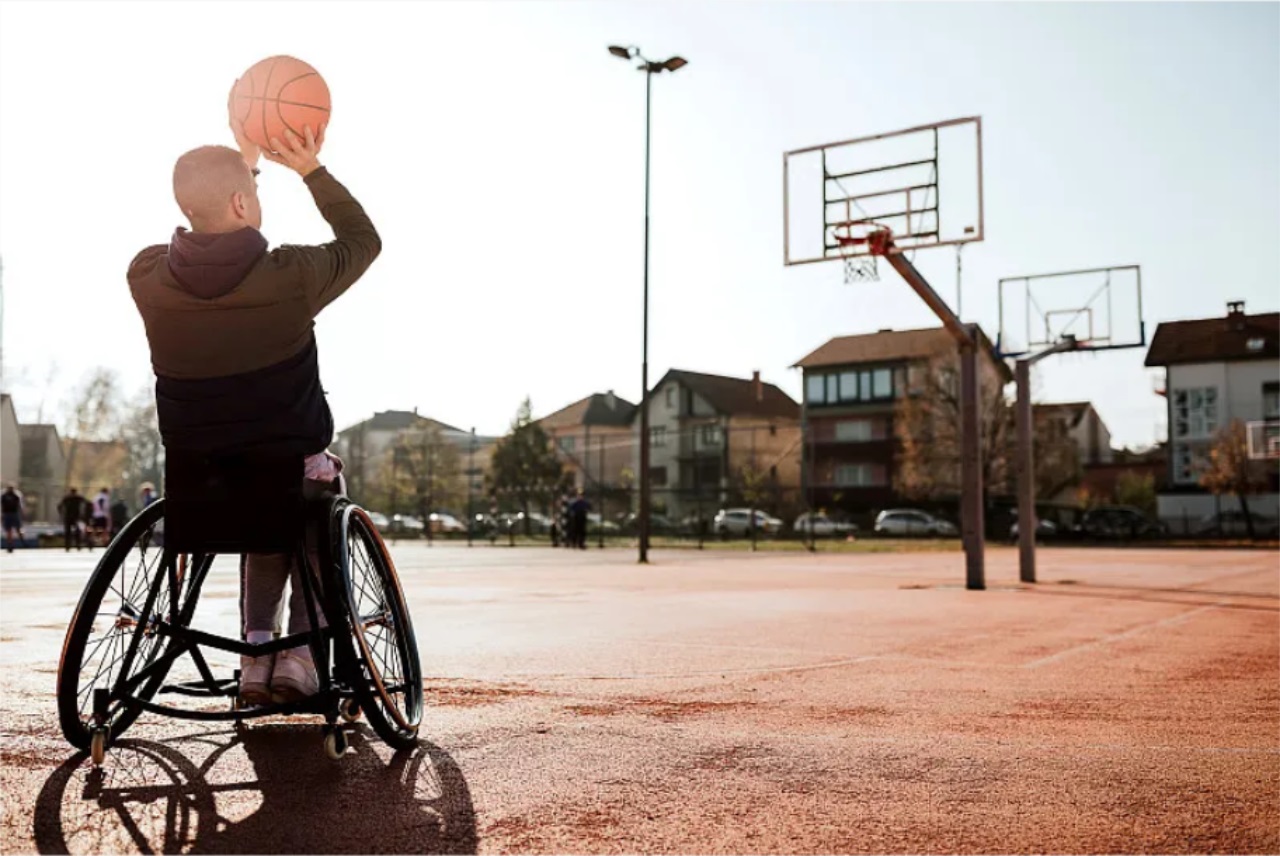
(716, 703)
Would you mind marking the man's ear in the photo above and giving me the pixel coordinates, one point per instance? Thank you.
(238, 205)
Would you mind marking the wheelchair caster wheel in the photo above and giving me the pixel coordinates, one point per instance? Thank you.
(350, 711)
(98, 747)
(335, 744)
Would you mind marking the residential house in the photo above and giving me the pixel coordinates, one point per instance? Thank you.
(852, 386)
(364, 447)
(717, 441)
(10, 443)
(593, 437)
(43, 471)
(1079, 422)
(1216, 370)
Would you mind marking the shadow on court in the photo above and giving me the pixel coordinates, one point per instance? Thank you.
(151, 797)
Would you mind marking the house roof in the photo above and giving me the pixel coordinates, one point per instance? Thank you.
(887, 346)
(1227, 338)
(599, 409)
(399, 420)
(735, 396)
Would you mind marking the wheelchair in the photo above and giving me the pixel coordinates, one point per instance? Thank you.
(134, 620)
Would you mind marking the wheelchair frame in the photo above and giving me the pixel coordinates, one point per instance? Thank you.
(348, 683)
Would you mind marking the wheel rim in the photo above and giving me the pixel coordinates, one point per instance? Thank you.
(115, 621)
(380, 622)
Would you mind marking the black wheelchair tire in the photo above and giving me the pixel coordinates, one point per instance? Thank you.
(73, 647)
(396, 724)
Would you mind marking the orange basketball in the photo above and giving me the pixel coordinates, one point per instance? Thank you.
(278, 93)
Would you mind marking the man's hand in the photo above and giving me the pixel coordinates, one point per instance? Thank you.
(300, 155)
(248, 148)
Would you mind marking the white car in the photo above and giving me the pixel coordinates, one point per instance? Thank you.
(442, 522)
(737, 521)
(911, 521)
(822, 526)
(380, 522)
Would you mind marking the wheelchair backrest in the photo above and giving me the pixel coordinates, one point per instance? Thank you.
(239, 503)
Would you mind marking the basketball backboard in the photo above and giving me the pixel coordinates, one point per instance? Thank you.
(1100, 307)
(924, 184)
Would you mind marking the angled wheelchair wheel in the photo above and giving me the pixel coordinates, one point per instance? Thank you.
(380, 650)
(125, 598)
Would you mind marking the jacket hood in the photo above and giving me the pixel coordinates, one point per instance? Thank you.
(209, 265)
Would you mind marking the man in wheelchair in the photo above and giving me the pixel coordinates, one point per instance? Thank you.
(230, 325)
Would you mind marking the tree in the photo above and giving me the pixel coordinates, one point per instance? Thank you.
(140, 431)
(1229, 469)
(927, 428)
(1138, 490)
(429, 470)
(93, 414)
(525, 466)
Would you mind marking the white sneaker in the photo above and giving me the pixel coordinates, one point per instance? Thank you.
(255, 679)
(294, 678)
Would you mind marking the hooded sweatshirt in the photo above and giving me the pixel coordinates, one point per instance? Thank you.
(231, 327)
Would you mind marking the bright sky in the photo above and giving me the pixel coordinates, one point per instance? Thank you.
(499, 149)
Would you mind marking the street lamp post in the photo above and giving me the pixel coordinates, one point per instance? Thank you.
(650, 68)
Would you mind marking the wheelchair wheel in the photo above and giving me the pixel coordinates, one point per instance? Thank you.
(381, 650)
(109, 615)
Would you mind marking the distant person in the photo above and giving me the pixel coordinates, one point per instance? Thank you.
(101, 524)
(11, 507)
(146, 495)
(72, 508)
(578, 510)
(119, 515)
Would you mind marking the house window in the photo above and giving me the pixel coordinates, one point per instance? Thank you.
(833, 392)
(710, 435)
(858, 475)
(882, 383)
(657, 476)
(1255, 344)
(567, 443)
(1195, 413)
(815, 389)
(1186, 463)
(1271, 400)
(853, 431)
(658, 436)
(848, 386)
(671, 398)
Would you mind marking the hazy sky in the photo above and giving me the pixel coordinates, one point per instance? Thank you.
(499, 149)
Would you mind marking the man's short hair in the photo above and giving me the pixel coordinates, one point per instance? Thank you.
(204, 180)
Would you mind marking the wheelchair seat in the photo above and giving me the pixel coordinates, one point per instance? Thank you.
(233, 503)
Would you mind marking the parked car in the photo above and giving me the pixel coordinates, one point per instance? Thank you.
(1118, 521)
(912, 521)
(659, 524)
(539, 524)
(823, 525)
(380, 522)
(595, 525)
(444, 523)
(1233, 524)
(737, 522)
(1044, 529)
(406, 526)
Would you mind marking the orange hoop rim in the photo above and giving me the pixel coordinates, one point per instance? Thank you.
(848, 239)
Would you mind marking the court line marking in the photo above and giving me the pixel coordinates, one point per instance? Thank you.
(1116, 637)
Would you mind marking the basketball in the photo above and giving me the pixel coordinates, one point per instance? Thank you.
(279, 93)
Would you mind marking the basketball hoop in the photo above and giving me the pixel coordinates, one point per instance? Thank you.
(852, 236)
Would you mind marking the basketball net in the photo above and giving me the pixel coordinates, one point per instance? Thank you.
(859, 268)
